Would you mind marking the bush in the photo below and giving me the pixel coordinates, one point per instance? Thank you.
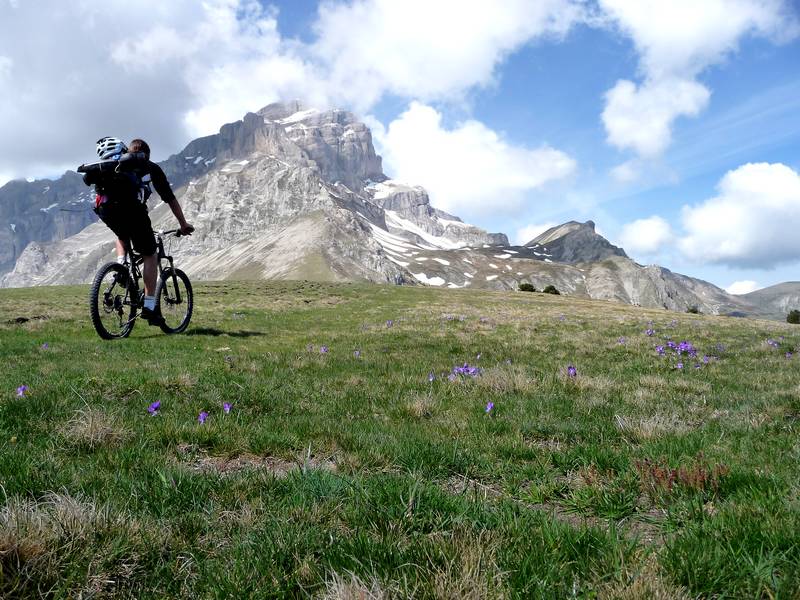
(793, 317)
(551, 289)
(526, 287)
(693, 309)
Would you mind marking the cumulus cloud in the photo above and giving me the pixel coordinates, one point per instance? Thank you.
(469, 167)
(752, 222)
(640, 117)
(676, 41)
(646, 236)
(529, 232)
(428, 50)
(742, 287)
(172, 71)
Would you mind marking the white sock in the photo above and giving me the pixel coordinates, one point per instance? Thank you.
(150, 302)
(121, 259)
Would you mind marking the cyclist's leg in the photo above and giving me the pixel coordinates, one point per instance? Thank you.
(144, 241)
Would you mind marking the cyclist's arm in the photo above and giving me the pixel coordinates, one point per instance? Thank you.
(160, 182)
(164, 190)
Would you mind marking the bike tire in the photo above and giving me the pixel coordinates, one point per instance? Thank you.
(176, 309)
(110, 298)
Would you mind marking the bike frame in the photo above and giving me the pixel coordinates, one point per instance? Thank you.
(135, 260)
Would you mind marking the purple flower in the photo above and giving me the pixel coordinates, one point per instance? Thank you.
(466, 370)
(679, 365)
(483, 320)
(562, 318)
(660, 350)
(45, 346)
(452, 377)
(621, 340)
(572, 371)
(431, 377)
(650, 332)
(788, 355)
(21, 391)
(706, 359)
(201, 418)
(357, 353)
(696, 365)
(671, 344)
(389, 323)
(226, 407)
(153, 408)
(772, 343)
(323, 349)
(489, 407)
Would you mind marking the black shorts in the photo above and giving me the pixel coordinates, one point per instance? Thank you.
(129, 221)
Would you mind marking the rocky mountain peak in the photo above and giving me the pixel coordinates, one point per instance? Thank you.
(575, 242)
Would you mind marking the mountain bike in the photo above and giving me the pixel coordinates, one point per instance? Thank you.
(116, 295)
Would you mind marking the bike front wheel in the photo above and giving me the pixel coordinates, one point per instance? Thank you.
(112, 302)
(175, 300)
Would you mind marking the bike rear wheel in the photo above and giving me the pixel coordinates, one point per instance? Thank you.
(112, 302)
(175, 300)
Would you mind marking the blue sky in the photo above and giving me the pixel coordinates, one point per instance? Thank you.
(675, 126)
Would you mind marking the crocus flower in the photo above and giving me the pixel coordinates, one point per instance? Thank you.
(572, 371)
(788, 355)
(153, 408)
(696, 365)
(226, 407)
(621, 340)
(431, 377)
(660, 350)
(45, 346)
(650, 332)
(201, 418)
(452, 377)
(679, 365)
(466, 370)
(22, 390)
(389, 323)
(489, 407)
(323, 349)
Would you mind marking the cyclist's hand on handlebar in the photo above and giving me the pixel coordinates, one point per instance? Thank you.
(187, 229)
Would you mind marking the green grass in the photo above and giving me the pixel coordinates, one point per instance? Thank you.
(337, 476)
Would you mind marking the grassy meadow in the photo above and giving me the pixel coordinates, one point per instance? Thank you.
(393, 442)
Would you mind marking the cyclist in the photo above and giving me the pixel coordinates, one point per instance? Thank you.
(121, 181)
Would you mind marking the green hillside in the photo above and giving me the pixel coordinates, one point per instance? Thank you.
(393, 442)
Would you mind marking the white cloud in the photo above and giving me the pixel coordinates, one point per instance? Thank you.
(676, 41)
(646, 236)
(742, 287)
(753, 222)
(171, 71)
(428, 50)
(626, 172)
(641, 117)
(529, 232)
(469, 168)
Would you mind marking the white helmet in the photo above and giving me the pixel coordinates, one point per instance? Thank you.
(109, 146)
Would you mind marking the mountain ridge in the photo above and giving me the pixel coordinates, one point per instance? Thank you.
(294, 192)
